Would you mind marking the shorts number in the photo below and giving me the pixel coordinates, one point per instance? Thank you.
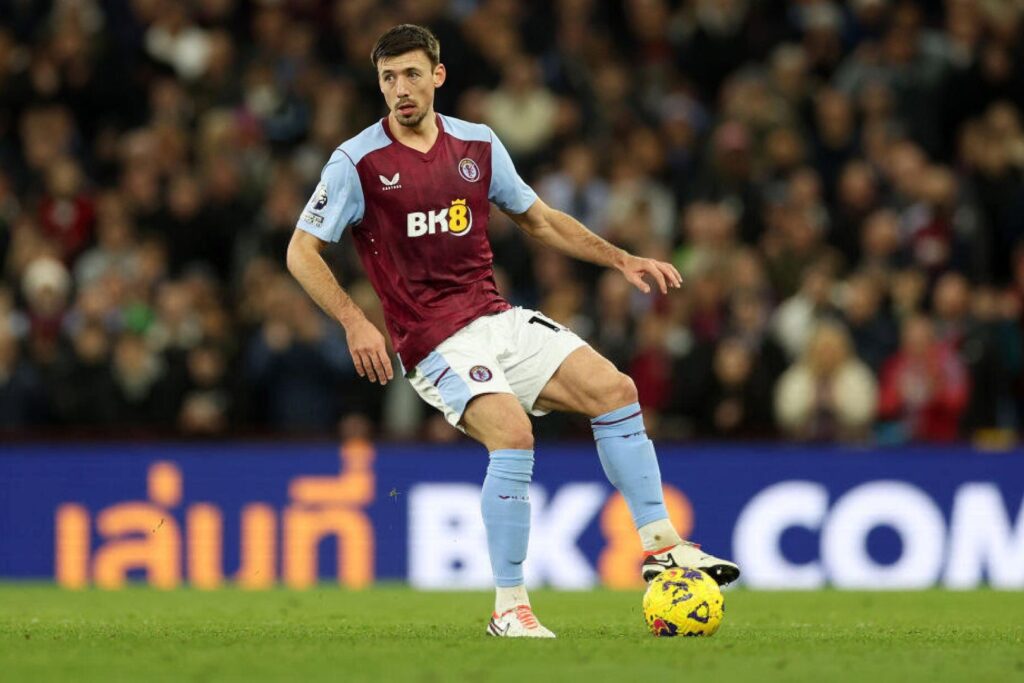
(546, 323)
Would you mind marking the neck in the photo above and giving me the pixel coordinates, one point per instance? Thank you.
(422, 135)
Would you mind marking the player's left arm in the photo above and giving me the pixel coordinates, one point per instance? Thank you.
(561, 231)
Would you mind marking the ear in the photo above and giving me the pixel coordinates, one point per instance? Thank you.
(439, 75)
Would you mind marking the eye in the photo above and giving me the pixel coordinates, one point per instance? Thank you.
(389, 78)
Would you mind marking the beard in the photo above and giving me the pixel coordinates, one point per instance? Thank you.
(412, 120)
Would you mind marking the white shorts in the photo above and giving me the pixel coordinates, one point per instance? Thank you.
(513, 352)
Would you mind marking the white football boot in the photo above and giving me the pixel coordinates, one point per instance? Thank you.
(688, 554)
(517, 622)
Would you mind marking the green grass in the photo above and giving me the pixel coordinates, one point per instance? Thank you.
(394, 634)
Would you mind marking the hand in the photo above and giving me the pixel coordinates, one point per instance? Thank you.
(635, 268)
(369, 352)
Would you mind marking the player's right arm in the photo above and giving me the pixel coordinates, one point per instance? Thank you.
(337, 203)
(365, 342)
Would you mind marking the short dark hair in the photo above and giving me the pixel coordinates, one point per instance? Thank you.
(406, 38)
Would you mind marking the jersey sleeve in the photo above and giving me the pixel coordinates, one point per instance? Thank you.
(507, 190)
(337, 201)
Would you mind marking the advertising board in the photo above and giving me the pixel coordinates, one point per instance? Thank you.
(258, 515)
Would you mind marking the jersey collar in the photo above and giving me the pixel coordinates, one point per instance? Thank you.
(425, 156)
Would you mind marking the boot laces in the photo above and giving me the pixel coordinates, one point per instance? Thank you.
(525, 615)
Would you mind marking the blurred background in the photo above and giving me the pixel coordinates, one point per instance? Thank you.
(840, 184)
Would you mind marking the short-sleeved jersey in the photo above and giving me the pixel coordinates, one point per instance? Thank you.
(419, 222)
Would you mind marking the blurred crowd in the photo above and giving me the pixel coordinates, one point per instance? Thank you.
(842, 186)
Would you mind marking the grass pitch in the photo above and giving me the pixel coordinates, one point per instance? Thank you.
(395, 634)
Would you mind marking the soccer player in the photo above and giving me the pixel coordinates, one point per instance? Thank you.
(415, 190)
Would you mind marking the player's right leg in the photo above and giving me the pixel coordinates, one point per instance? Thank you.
(500, 424)
(467, 385)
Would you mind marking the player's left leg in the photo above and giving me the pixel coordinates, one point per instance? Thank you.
(588, 383)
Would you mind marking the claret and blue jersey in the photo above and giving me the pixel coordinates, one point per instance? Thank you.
(419, 222)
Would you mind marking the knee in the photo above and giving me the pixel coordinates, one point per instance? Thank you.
(625, 390)
(518, 440)
(498, 422)
(517, 433)
(621, 391)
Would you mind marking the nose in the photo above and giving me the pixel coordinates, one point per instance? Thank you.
(401, 87)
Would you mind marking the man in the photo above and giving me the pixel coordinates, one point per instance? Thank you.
(415, 189)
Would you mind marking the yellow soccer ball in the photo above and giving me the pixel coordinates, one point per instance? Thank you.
(683, 602)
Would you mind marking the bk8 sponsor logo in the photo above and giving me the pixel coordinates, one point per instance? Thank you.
(456, 219)
(793, 535)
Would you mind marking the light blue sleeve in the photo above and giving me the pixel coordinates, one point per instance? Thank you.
(337, 201)
(507, 190)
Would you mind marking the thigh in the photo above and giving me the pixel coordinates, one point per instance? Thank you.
(588, 383)
(536, 347)
(460, 369)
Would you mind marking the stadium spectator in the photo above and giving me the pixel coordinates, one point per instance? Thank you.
(992, 348)
(614, 330)
(727, 176)
(145, 395)
(829, 394)
(82, 386)
(924, 386)
(66, 211)
(856, 197)
(749, 312)
(175, 40)
(208, 404)
(734, 399)
(651, 368)
(952, 307)
(294, 363)
(794, 244)
(710, 238)
(881, 245)
(836, 134)
(874, 333)
(859, 163)
(908, 289)
(21, 392)
(576, 188)
(795, 319)
(522, 112)
(113, 253)
(639, 210)
(46, 286)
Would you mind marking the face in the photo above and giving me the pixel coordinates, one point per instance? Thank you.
(408, 82)
(748, 314)
(861, 300)
(917, 336)
(732, 362)
(952, 296)
(828, 350)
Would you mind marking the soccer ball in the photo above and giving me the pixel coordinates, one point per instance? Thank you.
(683, 602)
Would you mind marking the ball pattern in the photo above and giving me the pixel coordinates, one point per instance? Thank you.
(683, 602)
